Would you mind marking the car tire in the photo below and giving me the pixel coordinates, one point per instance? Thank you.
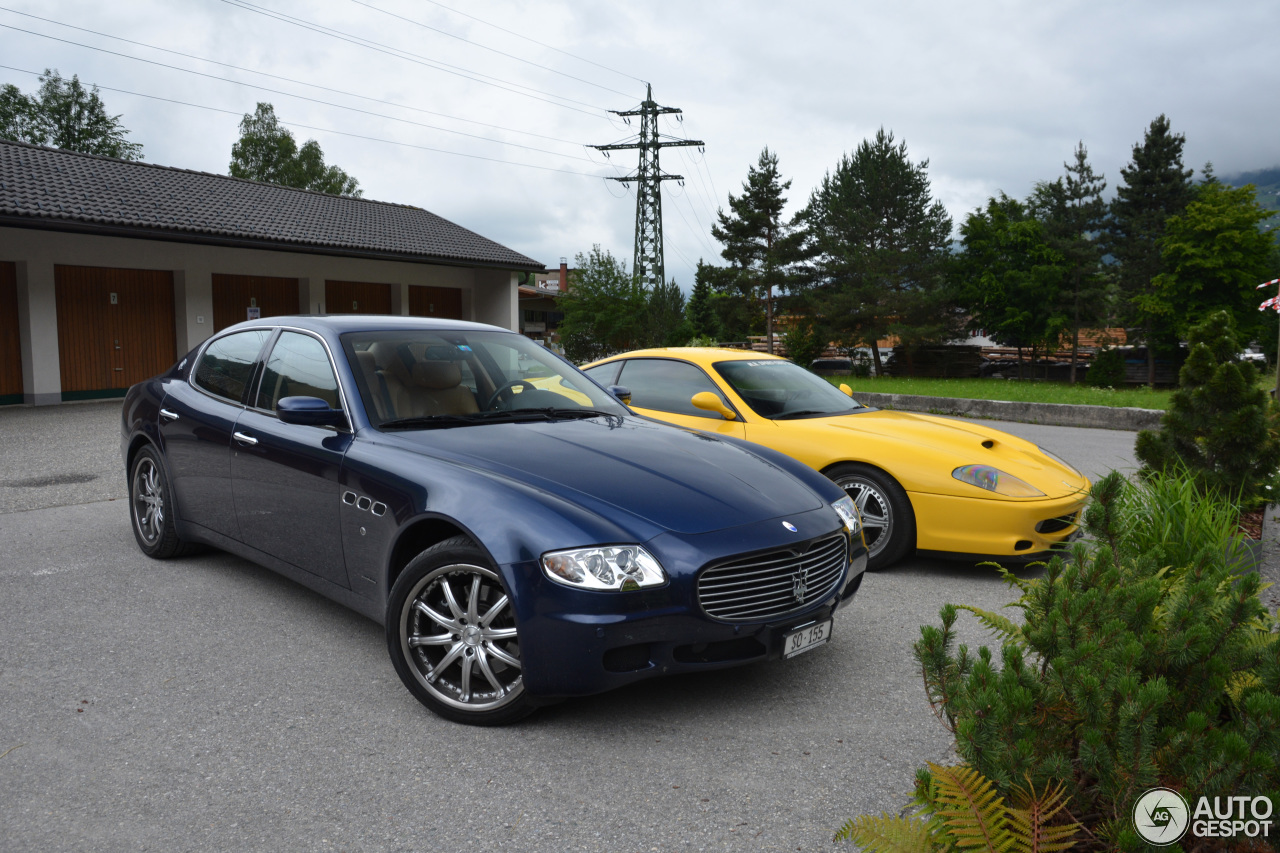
(151, 510)
(453, 639)
(888, 522)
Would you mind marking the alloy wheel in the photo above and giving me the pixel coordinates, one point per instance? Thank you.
(458, 633)
(876, 511)
(148, 501)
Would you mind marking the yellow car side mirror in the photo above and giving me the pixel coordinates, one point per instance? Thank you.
(848, 392)
(710, 402)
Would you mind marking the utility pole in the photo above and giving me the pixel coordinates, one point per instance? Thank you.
(648, 263)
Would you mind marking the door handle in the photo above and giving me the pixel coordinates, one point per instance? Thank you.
(168, 415)
(244, 439)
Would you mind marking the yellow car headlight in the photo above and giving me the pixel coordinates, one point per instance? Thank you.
(995, 480)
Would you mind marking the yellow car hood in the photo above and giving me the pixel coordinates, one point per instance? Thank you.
(923, 450)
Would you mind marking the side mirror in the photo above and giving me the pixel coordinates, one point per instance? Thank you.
(309, 411)
(622, 392)
(709, 402)
(848, 392)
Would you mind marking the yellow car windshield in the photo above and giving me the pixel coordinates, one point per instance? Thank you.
(781, 390)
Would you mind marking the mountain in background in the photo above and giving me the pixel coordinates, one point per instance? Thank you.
(1267, 182)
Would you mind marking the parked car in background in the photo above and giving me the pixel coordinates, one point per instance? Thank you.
(520, 534)
(920, 482)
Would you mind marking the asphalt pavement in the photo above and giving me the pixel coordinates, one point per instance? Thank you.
(206, 703)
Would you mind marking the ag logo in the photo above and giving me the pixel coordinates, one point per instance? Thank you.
(1161, 816)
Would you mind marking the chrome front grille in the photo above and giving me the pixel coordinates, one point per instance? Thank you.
(774, 583)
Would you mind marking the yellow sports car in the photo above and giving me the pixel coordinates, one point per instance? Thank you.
(921, 482)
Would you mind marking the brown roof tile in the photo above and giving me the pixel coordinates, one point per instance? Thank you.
(52, 188)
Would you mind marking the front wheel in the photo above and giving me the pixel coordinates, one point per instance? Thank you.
(150, 508)
(888, 522)
(453, 639)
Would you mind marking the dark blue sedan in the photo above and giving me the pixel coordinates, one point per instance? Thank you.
(522, 535)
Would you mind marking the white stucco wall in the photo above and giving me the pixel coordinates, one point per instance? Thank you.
(488, 296)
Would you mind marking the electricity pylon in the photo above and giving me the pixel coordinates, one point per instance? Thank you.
(648, 263)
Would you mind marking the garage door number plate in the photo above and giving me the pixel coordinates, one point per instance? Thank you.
(806, 638)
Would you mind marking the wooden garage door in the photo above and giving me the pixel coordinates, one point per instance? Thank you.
(10, 346)
(233, 295)
(115, 328)
(445, 302)
(357, 297)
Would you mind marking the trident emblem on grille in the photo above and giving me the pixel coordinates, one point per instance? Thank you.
(799, 582)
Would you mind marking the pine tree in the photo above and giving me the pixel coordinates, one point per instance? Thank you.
(1154, 186)
(667, 324)
(1073, 212)
(878, 246)
(1220, 425)
(758, 244)
(698, 311)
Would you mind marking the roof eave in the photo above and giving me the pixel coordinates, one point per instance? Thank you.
(227, 241)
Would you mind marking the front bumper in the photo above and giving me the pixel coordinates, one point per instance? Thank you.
(576, 643)
(990, 527)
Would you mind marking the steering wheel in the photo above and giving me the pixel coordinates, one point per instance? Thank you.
(507, 393)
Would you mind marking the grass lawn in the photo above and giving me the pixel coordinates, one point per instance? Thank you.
(1024, 391)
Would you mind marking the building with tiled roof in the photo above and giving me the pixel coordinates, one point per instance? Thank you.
(111, 269)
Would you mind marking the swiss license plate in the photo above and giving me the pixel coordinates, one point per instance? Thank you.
(798, 642)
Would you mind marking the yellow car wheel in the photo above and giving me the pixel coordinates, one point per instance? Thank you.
(888, 523)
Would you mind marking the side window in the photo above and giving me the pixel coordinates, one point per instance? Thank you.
(227, 364)
(298, 367)
(667, 386)
(605, 374)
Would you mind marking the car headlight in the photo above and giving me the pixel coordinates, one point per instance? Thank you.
(995, 480)
(1056, 458)
(849, 513)
(610, 567)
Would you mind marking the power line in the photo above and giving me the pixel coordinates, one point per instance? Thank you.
(325, 129)
(700, 187)
(288, 79)
(535, 41)
(474, 76)
(300, 97)
(486, 47)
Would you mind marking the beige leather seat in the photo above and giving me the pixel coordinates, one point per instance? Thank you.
(377, 388)
(394, 375)
(436, 387)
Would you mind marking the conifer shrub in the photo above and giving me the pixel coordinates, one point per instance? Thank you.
(804, 343)
(1220, 426)
(1131, 667)
(1107, 369)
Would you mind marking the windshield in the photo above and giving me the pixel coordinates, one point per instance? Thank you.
(779, 390)
(423, 378)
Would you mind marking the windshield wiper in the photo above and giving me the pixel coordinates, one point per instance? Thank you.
(800, 413)
(575, 413)
(502, 416)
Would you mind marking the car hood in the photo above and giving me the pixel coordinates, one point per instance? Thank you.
(677, 479)
(948, 444)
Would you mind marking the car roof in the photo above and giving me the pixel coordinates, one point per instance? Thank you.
(342, 323)
(698, 355)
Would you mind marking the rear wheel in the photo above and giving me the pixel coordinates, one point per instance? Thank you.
(150, 507)
(452, 635)
(888, 522)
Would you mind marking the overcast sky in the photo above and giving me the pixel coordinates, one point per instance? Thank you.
(994, 94)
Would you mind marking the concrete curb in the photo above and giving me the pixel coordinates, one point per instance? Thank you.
(1053, 414)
